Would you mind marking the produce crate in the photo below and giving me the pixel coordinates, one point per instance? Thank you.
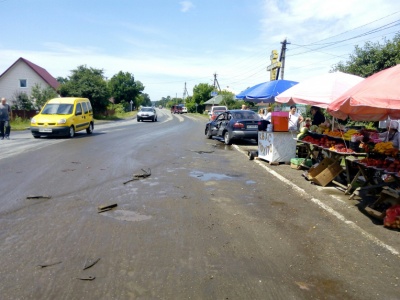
(298, 163)
(387, 198)
(325, 172)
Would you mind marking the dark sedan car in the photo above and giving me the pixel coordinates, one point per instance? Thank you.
(233, 124)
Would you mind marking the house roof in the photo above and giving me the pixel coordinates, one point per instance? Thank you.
(214, 100)
(50, 80)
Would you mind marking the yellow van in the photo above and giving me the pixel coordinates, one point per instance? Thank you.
(63, 117)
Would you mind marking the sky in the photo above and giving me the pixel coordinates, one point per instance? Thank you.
(170, 44)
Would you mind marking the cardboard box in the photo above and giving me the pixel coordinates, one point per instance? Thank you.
(328, 174)
(315, 170)
(325, 172)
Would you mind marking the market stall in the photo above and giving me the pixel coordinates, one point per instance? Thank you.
(276, 144)
(276, 147)
(362, 163)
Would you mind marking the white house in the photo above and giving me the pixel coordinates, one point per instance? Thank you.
(21, 76)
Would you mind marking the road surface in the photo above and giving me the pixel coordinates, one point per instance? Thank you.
(208, 223)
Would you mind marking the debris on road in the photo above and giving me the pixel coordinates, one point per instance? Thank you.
(38, 197)
(106, 207)
(145, 174)
(89, 278)
(201, 151)
(90, 263)
(49, 264)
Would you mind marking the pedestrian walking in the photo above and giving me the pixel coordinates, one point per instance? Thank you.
(5, 112)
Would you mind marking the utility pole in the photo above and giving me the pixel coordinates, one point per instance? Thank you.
(216, 82)
(185, 94)
(282, 59)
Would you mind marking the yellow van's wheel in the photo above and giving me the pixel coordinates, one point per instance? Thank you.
(71, 132)
(89, 130)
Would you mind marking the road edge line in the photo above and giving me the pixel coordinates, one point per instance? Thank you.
(325, 207)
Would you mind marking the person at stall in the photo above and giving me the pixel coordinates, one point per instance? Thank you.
(268, 116)
(317, 116)
(391, 135)
(294, 119)
(261, 113)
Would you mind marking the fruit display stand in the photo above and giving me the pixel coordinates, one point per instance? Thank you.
(370, 168)
(276, 147)
(337, 151)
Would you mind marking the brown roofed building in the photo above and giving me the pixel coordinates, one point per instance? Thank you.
(21, 76)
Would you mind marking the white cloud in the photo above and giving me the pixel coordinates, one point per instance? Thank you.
(186, 6)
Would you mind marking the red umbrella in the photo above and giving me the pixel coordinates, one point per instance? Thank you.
(373, 99)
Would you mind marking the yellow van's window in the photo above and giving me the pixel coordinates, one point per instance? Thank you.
(89, 106)
(85, 108)
(57, 109)
(78, 110)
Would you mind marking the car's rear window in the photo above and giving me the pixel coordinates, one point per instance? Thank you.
(245, 115)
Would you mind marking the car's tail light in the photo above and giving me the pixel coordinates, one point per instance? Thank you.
(238, 125)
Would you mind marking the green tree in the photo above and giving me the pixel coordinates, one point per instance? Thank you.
(88, 83)
(190, 104)
(144, 100)
(40, 96)
(21, 101)
(123, 88)
(201, 93)
(372, 58)
(163, 101)
(62, 79)
(230, 101)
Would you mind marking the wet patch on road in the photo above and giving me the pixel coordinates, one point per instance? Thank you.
(126, 215)
(249, 182)
(212, 176)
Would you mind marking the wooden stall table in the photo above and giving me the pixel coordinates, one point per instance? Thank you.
(315, 151)
(338, 157)
(368, 173)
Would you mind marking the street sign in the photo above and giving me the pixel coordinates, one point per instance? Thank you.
(213, 94)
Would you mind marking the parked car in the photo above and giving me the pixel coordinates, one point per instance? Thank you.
(147, 113)
(233, 124)
(214, 108)
(215, 114)
(63, 117)
(184, 110)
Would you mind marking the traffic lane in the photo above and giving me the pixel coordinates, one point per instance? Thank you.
(42, 164)
(206, 224)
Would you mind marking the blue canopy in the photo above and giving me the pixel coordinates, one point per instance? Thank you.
(266, 91)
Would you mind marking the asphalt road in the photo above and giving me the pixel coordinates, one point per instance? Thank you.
(208, 223)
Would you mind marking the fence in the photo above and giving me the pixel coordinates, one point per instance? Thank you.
(23, 114)
(28, 114)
